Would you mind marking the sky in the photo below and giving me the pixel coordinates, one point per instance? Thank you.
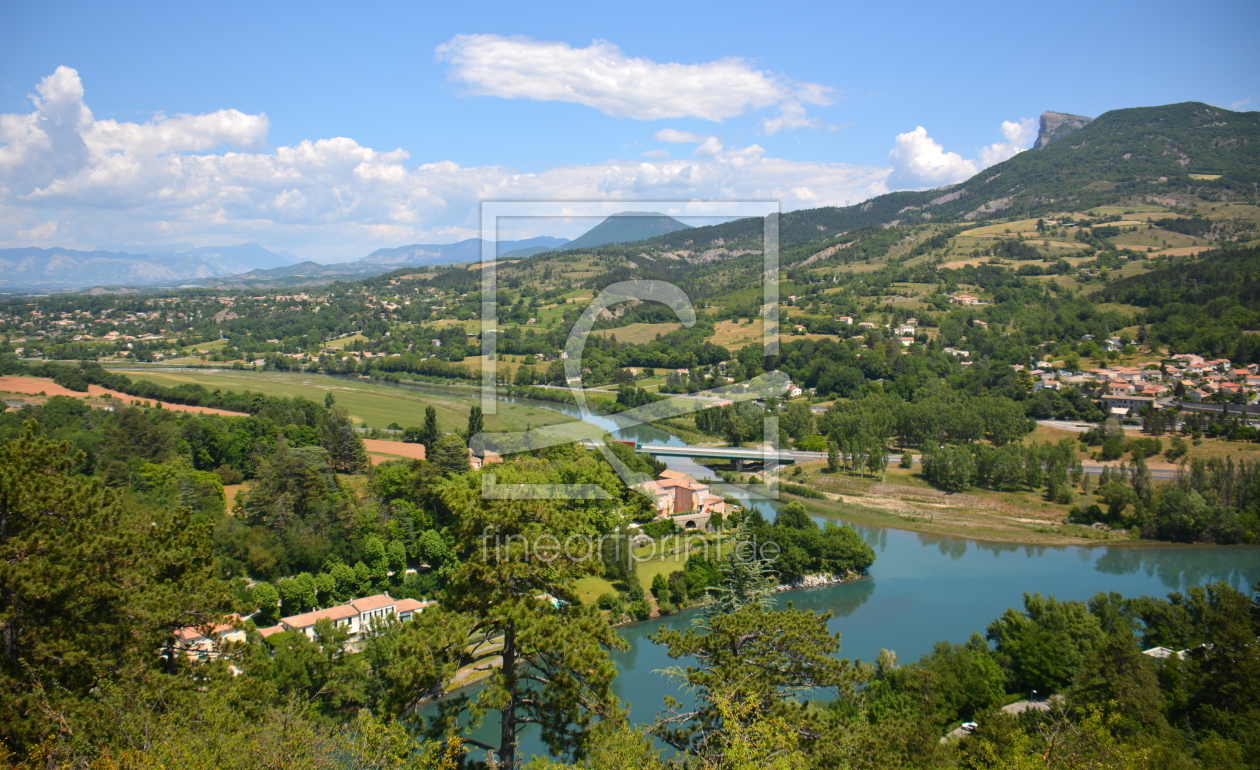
(331, 129)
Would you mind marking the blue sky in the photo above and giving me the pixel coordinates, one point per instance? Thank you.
(434, 108)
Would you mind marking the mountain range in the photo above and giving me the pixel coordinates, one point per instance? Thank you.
(1170, 155)
(35, 268)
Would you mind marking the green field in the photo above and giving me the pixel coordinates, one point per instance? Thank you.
(370, 404)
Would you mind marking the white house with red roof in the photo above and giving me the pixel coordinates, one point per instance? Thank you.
(356, 615)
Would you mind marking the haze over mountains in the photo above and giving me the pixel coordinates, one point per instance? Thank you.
(251, 265)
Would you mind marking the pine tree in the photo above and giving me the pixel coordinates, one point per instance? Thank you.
(746, 579)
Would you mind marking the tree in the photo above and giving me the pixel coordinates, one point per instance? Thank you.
(91, 587)
(449, 453)
(1044, 647)
(349, 454)
(267, 600)
(795, 516)
(746, 578)
(476, 423)
(555, 671)
(754, 658)
(429, 434)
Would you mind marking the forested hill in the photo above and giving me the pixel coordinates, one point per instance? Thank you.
(1166, 155)
(1209, 306)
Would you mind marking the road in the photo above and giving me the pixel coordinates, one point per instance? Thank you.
(797, 456)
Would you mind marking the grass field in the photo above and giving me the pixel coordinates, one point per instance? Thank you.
(735, 334)
(637, 334)
(370, 404)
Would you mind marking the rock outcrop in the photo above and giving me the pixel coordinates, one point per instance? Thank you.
(1056, 125)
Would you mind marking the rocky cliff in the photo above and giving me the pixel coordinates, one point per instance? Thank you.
(1056, 125)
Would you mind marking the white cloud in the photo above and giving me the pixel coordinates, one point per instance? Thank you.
(675, 136)
(1019, 136)
(919, 162)
(602, 77)
(710, 148)
(791, 115)
(209, 179)
(659, 154)
(1238, 105)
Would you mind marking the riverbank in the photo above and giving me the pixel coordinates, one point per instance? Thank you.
(950, 518)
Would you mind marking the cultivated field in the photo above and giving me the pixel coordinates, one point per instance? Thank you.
(370, 404)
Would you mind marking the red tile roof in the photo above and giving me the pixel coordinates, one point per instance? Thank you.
(307, 619)
(373, 602)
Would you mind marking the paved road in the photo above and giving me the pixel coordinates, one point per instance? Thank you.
(797, 456)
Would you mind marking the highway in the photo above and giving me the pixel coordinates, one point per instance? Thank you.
(787, 456)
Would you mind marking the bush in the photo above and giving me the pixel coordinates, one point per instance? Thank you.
(228, 475)
(658, 529)
(639, 609)
(907, 461)
(801, 490)
(612, 603)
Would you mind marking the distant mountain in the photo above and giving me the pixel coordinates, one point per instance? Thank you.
(454, 253)
(626, 227)
(56, 268)
(1174, 155)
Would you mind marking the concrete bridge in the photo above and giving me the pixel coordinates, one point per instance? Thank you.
(739, 454)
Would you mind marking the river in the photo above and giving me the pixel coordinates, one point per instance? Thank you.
(928, 588)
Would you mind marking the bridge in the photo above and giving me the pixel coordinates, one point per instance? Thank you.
(739, 454)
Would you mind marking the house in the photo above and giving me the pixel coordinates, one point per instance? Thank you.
(406, 608)
(356, 615)
(1128, 403)
(867, 325)
(978, 322)
(906, 341)
(195, 644)
(963, 299)
(680, 497)
(1120, 388)
(844, 319)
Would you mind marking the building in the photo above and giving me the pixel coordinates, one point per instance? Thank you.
(1130, 404)
(680, 497)
(195, 644)
(356, 615)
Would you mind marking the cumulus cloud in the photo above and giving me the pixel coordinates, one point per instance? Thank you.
(709, 148)
(660, 154)
(1019, 135)
(919, 162)
(603, 77)
(211, 179)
